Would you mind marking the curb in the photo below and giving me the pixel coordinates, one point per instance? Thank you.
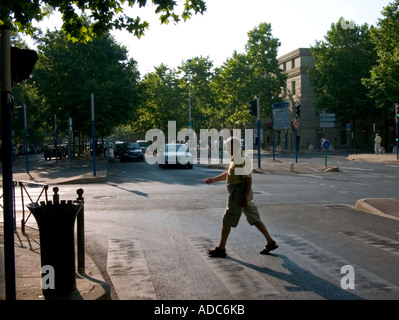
(364, 206)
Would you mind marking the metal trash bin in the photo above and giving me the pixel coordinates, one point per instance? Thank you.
(57, 242)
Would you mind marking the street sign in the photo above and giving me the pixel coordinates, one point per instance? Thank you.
(326, 144)
(281, 116)
(327, 120)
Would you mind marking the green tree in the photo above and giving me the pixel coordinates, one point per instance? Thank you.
(162, 101)
(267, 78)
(85, 19)
(68, 73)
(197, 76)
(246, 75)
(341, 62)
(384, 78)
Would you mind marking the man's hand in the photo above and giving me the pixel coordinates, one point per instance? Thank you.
(220, 177)
(209, 180)
(244, 202)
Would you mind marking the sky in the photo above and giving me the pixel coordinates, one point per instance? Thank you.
(224, 28)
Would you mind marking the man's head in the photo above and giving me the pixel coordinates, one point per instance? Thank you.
(233, 146)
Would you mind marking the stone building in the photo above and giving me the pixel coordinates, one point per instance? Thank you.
(298, 91)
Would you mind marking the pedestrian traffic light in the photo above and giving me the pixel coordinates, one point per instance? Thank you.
(298, 111)
(253, 108)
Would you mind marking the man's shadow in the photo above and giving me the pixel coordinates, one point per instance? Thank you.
(302, 280)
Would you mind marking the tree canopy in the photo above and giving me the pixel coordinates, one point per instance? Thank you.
(384, 77)
(85, 19)
(341, 61)
(67, 73)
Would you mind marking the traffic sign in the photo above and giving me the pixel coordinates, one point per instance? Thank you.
(281, 116)
(327, 120)
(296, 124)
(326, 144)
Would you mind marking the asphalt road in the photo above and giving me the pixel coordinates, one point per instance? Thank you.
(156, 224)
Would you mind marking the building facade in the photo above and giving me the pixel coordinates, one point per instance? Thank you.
(298, 91)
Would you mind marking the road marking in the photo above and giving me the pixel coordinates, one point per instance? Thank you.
(366, 282)
(243, 282)
(128, 270)
(375, 240)
(357, 169)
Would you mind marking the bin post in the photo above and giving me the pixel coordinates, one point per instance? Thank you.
(56, 221)
(81, 233)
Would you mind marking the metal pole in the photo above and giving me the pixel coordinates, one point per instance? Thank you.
(296, 146)
(81, 233)
(93, 134)
(70, 139)
(55, 139)
(26, 140)
(258, 128)
(6, 105)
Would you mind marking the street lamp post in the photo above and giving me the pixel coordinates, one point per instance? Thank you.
(189, 97)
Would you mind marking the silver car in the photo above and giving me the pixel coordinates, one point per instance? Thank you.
(177, 154)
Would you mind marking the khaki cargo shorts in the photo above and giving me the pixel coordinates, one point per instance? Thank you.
(234, 210)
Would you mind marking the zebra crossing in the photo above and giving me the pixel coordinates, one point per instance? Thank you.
(303, 259)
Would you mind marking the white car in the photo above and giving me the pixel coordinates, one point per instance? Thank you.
(177, 154)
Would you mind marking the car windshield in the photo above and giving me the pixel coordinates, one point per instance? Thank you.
(143, 143)
(175, 148)
(133, 146)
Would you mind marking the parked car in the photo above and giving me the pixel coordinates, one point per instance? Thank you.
(177, 154)
(117, 148)
(101, 148)
(143, 144)
(50, 152)
(131, 151)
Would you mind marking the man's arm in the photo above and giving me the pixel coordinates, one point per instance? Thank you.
(221, 177)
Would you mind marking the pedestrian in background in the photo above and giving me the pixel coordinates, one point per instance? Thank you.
(239, 186)
(377, 143)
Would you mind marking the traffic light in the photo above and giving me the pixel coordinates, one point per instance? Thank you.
(22, 63)
(297, 111)
(253, 108)
(397, 111)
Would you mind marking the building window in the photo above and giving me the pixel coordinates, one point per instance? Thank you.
(293, 87)
(293, 64)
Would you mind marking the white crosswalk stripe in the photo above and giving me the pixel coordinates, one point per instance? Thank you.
(127, 268)
(366, 282)
(243, 282)
(375, 240)
(304, 260)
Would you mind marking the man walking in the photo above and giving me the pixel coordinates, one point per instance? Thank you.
(377, 142)
(239, 185)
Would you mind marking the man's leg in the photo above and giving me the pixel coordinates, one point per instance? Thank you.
(262, 228)
(225, 234)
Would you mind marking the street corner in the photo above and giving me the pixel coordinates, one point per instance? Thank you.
(384, 207)
(309, 168)
(370, 157)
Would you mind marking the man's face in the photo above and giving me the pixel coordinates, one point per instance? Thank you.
(233, 146)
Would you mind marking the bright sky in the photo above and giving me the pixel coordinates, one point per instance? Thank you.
(224, 28)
